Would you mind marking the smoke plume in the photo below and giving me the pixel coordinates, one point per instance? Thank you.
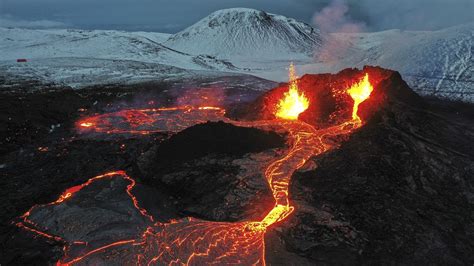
(335, 18)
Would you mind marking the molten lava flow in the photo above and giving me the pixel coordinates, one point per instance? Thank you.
(86, 124)
(191, 241)
(147, 121)
(293, 103)
(359, 93)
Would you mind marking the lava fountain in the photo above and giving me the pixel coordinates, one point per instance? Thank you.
(360, 92)
(293, 102)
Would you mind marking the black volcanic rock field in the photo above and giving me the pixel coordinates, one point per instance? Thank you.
(199, 166)
(399, 190)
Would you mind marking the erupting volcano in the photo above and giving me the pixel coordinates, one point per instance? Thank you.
(192, 241)
(244, 138)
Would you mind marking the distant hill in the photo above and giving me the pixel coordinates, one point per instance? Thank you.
(247, 33)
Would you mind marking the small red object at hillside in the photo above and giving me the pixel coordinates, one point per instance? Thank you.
(21, 60)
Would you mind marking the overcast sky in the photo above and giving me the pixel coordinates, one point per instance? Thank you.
(175, 15)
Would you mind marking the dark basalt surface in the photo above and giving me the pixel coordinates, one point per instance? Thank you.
(398, 191)
(214, 138)
(204, 169)
(41, 154)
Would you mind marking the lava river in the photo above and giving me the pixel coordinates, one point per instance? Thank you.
(188, 241)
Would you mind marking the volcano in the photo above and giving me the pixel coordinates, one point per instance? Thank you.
(394, 191)
(387, 182)
(247, 33)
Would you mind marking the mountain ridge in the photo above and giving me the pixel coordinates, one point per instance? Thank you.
(243, 32)
(242, 41)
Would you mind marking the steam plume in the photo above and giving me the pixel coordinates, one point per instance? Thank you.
(334, 18)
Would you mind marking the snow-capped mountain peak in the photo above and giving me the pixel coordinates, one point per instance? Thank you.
(247, 33)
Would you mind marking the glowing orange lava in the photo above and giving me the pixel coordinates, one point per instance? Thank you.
(86, 124)
(191, 241)
(360, 92)
(293, 103)
(150, 120)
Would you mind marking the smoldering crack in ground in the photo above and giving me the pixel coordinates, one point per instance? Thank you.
(407, 184)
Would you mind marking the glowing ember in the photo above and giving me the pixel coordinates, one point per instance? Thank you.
(360, 92)
(43, 149)
(86, 124)
(293, 102)
(209, 108)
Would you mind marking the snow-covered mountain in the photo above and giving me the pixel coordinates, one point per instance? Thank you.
(435, 63)
(246, 41)
(98, 44)
(439, 63)
(80, 58)
(238, 33)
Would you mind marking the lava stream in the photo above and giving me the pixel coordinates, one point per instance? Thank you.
(191, 241)
(150, 120)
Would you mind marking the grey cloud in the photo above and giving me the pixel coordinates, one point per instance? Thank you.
(10, 21)
(415, 14)
(174, 15)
